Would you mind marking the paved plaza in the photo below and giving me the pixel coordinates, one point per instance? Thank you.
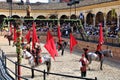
(67, 64)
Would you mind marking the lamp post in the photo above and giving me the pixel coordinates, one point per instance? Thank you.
(76, 2)
(10, 7)
(10, 12)
(73, 2)
(70, 4)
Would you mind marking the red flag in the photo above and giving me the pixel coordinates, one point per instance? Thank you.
(50, 45)
(59, 34)
(15, 35)
(28, 36)
(34, 36)
(73, 42)
(101, 39)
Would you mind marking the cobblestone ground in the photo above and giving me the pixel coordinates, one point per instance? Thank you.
(67, 64)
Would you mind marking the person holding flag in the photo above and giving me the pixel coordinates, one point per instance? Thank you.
(98, 51)
(36, 50)
(101, 41)
(34, 36)
(38, 53)
(59, 43)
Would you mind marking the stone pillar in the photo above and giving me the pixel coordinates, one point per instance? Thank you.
(94, 20)
(118, 21)
(9, 27)
(104, 21)
(104, 14)
(85, 22)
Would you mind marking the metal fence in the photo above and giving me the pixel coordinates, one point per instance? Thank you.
(5, 58)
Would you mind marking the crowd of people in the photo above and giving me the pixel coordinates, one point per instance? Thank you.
(112, 31)
(66, 28)
(109, 31)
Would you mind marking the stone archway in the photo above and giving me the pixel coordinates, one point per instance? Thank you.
(62, 18)
(111, 18)
(2, 19)
(99, 18)
(54, 20)
(28, 21)
(13, 20)
(89, 19)
(15, 16)
(53, 17)
(111, 22)
(40, 21)
(73, 16)
(41, 17)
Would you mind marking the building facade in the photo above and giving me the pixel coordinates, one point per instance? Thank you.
(91, 12)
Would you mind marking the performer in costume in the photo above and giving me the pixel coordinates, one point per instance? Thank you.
(86, 51)
(83, 65)
(98, 51)
(38, 53)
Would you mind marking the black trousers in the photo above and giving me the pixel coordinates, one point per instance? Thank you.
(86, 56)
(83, 74)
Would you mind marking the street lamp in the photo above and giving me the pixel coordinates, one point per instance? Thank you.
(73, 2)
(69, 4)
(76, 2)
(10, 8)
(10, 11)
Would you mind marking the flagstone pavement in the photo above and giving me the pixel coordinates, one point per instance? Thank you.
(67, 64)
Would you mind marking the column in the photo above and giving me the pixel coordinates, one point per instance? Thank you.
(94, 20)
(84, 21)
(118, 21)
(104, 21)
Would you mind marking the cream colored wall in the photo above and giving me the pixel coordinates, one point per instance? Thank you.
(104, 7)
